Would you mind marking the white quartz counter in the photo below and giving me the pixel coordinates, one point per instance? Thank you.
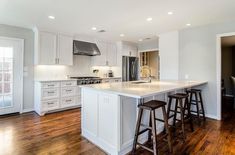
(142, 90)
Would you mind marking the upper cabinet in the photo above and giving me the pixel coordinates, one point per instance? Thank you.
(108, 55)
(53, 48)
(65, 49)
(129, 50)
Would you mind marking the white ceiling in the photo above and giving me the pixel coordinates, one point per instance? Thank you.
(228, 41)
(115, 16)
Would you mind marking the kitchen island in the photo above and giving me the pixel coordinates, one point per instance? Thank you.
(109, 111)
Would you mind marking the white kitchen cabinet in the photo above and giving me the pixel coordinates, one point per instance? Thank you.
(52, 96)
(108, 55)
(65, 49)
(129, 50)
(107, 126)
(52, 48)
(100, 60)
(46, 48)
(111, 57)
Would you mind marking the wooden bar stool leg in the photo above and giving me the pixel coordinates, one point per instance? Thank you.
(167, 129)
(175, 115)
(137, 130)
(197, 106)
(182, 119)
(154, 133)
(203, 111)
(189, 114)
(150, 125)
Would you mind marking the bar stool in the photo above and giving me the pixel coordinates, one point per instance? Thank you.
(181, 103)
(196, 100)
(151, 106)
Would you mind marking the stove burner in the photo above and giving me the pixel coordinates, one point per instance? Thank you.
(87, 80)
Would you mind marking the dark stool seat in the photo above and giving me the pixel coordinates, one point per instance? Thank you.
(194, 90)
(151, 128)
(181, 107)
(152, 105)
(196, 100)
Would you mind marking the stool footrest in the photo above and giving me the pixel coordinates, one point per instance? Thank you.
(159, 120)
(143, 131)
(145, 147)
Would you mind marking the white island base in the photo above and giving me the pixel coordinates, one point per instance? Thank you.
(109, 117)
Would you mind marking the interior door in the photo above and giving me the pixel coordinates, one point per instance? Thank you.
(11, 75)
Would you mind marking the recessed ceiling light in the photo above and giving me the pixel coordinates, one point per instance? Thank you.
(149, 19)
(51, 17)
(93, 28)
(188, 24)
(122, 35)
(170, 13)
(140, 39)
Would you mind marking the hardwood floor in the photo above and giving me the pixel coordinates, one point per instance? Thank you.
(60, 133)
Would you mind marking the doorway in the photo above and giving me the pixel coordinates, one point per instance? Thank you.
(11, 75)
(149, 63)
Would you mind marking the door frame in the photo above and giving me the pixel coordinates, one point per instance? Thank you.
(21, 41)
(218, 71)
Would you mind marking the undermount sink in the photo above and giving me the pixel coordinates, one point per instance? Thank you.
(139, 82)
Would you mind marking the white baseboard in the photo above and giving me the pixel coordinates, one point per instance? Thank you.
(212, 117)
(27, 110)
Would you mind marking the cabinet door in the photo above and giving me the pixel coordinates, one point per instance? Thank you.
(65, 49)
(47, 48)
(133, 51)
(100, 60)
(111, 54)
(108, 118)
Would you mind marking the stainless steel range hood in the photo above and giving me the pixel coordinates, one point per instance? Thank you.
(85, 48)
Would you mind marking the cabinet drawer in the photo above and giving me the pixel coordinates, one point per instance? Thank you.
(68, 91)
(50, 84)
(68, 83)
(50, 105)
(50, 93)
(68, 101)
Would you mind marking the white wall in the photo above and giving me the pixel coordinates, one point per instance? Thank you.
(169, 55)
(28, 36)
(197, 58)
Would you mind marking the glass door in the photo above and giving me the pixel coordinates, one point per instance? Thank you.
(11, 75)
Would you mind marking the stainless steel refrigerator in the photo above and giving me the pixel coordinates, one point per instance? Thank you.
(130, 68)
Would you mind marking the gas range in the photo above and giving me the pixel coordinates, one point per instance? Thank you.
(87, 80)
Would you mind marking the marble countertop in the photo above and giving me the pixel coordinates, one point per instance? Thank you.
(142, 90)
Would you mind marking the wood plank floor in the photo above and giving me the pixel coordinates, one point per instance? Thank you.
(60, 133)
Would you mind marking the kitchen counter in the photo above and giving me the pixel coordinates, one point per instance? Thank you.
(109, 111)
(142, 90)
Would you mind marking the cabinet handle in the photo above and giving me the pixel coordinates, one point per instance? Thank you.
(50, 103)
(58, 60)
(130, 53)
(68, 90)
(55, 60)
(68, 100)
(50, 85)
(68, 84)
(51, 92)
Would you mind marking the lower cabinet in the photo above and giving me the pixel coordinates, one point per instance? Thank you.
(56, 95)
(100, 117)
